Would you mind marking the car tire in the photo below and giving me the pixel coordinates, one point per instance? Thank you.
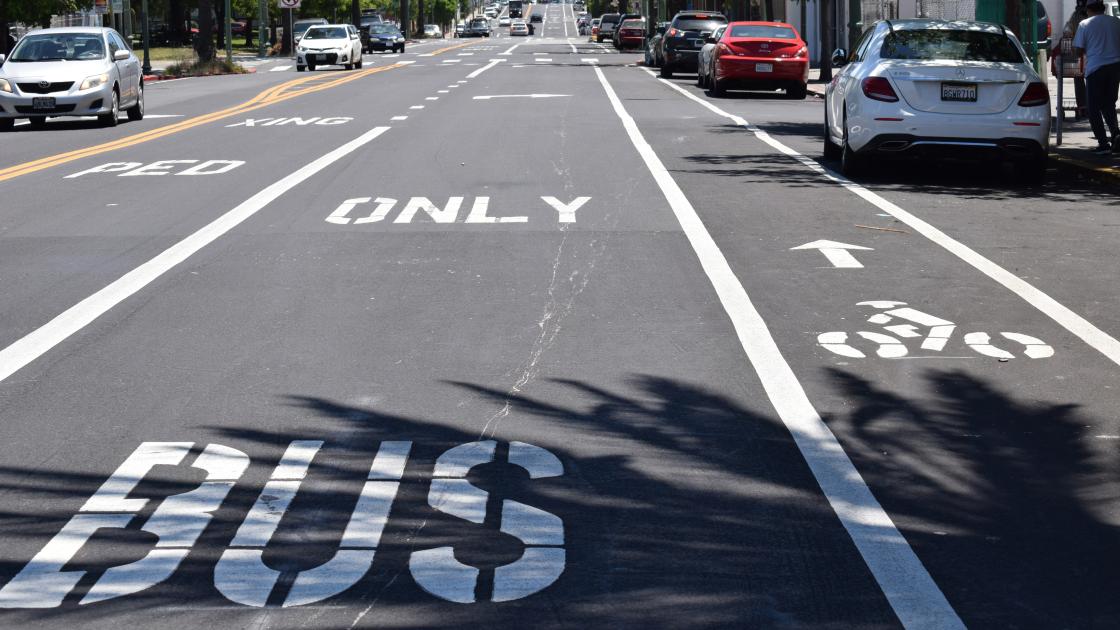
(361, 62)
(831, 150)
(113, 117)
(851, 163)
(347, 66)
(310, 67)
(666, 72)
(1032, 173)
(136, 112)
(37, 122)
(717, 87)
(699, 80)
(300, 68)
(797, 92)
(7, 124)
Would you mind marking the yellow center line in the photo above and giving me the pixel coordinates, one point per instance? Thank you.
(272, 95)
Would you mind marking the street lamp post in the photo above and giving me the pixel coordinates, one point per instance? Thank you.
(147, 68)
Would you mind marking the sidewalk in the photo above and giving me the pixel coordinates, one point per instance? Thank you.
(1075, 152)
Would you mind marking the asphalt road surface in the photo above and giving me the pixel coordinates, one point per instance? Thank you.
(510, 332)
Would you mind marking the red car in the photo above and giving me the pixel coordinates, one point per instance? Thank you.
(631, 33)
(760, 56)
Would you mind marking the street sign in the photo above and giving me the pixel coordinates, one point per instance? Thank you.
(100, 7)
(118, 6)
(288, 4)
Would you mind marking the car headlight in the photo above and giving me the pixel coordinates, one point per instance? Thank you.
(95, 81)
(302, 49)
(5, 86)
(400, 39)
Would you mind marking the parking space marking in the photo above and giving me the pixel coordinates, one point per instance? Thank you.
(1077, 325)
(907, 586)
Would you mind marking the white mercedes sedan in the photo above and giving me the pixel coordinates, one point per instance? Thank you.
(329, 45)
(937, 89)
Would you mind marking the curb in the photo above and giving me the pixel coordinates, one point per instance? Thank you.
(1098, 173)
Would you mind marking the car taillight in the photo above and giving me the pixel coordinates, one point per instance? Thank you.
(879, 89)
(1036, 94)
(1047, 29)
(672, 33)
(804, 52)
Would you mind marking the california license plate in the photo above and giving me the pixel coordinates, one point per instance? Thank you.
(961, 92)
(763, 67)
(42, 102)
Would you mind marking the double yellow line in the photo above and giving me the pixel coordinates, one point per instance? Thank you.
(275, 94)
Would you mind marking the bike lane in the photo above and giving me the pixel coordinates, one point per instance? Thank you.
(1000, 473)
(682, 500)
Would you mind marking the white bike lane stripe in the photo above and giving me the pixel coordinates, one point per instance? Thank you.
(39, 341)
(1099, 340)
(911, 592)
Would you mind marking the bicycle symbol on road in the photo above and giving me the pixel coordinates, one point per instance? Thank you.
(936, 336)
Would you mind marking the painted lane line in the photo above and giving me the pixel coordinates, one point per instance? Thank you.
(417, 107)
(443, 91)
(509, 51)
(431, 98)
(493, 62)
(461, 81)
(280, 69)
(452, 60)
(1065, 317)
(399, 118)
(908, 587)
(38, 342)
(453, 85)
(466, 54)
(431, 54)
(407, 62)
(543, 60)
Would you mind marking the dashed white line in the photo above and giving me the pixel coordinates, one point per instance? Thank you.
(452, 60)
(443, 91)
(431, 98)
(38, 342)
(280, 68)
(399, 118)
(908, 587)
(417, 107)
(467, 54)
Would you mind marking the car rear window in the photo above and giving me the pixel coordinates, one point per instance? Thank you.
(709, 24)
(949, 45)
(772, 32)
(611, 18)
(633, 24)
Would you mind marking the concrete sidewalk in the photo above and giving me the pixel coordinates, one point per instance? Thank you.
(1075, 151)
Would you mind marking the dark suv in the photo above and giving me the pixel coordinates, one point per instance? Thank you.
(607, 23)
(478, 27)
(680, 47)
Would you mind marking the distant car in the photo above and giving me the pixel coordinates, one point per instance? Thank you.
(595, 30)
(607, 23)
(84, 71)
(432, 31)
(622, 18)
(367, 21)
(631, 34)
(384, 37)
(536, 17)
(759, 56)
(518, 27)
(704, 61)
(931, 88)
(680, 47)
(329, 45)
(299, 27)
(460, 29)
(479, 27)
(503, 21)
(653, 46)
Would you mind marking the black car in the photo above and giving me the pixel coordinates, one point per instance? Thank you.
(535, 17)
(653, 45)
(608, 22)
(382, 37)
(680, 47)
(479, 27)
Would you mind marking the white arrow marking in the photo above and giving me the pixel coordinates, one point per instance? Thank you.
(836, 253)
(492, 96)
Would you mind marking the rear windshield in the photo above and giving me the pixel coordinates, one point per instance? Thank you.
(326, 33)
(632, 24)
(708, 24)
(772, 32)
(479, 23)
(950, 45)
(610, 17)
(59, 47)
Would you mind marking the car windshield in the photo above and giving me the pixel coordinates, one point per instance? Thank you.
(326, 33)
(59, 47)
(382, 29)
(949, 45)
(754, 30)
(708, 24)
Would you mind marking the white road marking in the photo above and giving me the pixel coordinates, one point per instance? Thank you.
(452, 60)
(836, 253)
(493, 62)
(416, 107)
(567, 210)
(466, 54)
(487, 97)
(280, 68)
(543, 59)
(163, 115)
(427, 55)
(443, 91)
(431, 98)
(38, 342)
(908, 587)
(1096, 338)
(399, 118)
(509, 51)
(406, 62)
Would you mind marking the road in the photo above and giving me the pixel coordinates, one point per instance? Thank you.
(511, 329)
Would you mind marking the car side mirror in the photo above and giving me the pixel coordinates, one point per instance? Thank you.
(121, 55)
(839, 58)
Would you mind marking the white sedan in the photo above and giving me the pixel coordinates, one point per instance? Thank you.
(503, 21)
(519, 27)
(932, 88)
(329, 45)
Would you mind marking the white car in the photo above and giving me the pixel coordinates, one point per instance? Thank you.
(329, 45)
(518, 27)
(937, 89)
(503, 21)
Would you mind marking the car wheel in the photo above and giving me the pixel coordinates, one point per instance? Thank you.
(699, 80)
(136, 112)
(347, 66)
(111, 119)
(797, 92)
(7, 124)
(831, 151)
(300, 68)
(360, 63)
(666, 72)
(851, 164)
(38, 122)
(718, 87)
(1032, 172)
(310, 67)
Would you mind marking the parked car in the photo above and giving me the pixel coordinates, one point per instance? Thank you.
(630, 34)
(432, 31)
(518, 27)
(535, 17)
(595, 29)
(383, 37)
(503, 21)
(653, 46)
(686, 35)
(930, 88)
(460, 29)
(704, 60)
(329, 45)
(299, 27)
(99, 76)
(478, 27)
(622, 18)
(759, 56)
(607, 23)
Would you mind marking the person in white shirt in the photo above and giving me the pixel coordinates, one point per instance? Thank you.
(1098, 38)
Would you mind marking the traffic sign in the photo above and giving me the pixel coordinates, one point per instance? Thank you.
(288, 4)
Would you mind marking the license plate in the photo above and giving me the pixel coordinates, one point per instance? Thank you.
(961, 92)
(42, 102)
(763, 67)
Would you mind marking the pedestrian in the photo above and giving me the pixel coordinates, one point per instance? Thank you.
(1098, 38)
(1063, 50)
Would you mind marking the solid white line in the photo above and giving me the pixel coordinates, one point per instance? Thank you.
(493, 62)
(908, 587)
(1098, 339)
(509, 51)
(39, 341)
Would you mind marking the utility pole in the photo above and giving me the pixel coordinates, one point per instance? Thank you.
(262, 50)
(145, 37)
(228, 28)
